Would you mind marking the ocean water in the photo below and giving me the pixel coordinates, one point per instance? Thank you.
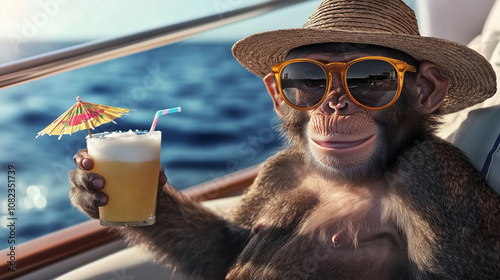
(227, 123)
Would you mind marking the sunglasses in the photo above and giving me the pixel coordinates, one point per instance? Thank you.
(372, 82)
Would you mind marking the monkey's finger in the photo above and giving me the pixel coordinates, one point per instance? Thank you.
(163, 178)
(87, 202)
(83, 193)
(86, 180)
(83, 160)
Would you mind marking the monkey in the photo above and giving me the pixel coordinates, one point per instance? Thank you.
(401, 204)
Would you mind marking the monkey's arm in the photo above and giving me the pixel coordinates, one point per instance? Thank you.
(190, 237)
(451, 218)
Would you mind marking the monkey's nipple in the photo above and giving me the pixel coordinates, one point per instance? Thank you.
(257, 228)
(339, 239)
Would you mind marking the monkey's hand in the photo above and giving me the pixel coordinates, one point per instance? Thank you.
(185, 234)
(85, 192)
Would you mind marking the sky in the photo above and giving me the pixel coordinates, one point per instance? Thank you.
(24, 22)
(66, 20)
(27, 21)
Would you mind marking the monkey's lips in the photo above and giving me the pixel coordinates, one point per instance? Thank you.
(343, 152)
(342, 144)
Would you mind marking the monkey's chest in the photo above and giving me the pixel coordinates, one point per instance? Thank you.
(321, 236)
(345, 218)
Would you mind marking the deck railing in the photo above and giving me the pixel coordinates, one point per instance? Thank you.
(99, 51)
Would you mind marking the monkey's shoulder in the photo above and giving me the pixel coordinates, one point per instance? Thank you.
(434, 171)
(438, 180)
(434, 156)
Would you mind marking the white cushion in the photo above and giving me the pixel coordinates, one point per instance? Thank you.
(476, 130)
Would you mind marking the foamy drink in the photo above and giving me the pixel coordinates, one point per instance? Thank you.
(129, 162)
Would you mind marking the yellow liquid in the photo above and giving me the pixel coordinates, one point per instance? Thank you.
(131, 188)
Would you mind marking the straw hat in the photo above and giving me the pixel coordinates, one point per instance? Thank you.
(388, 23)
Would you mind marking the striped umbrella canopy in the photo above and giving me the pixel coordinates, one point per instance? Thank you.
(82, 115)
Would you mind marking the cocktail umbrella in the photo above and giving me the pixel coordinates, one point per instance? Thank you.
(82, 115)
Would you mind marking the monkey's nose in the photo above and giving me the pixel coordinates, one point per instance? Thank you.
(336, 102)
(337, 105)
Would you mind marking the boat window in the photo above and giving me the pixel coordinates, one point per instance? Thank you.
(227, 121)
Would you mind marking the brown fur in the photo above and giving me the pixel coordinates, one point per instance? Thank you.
(418, 210)
(449, 219)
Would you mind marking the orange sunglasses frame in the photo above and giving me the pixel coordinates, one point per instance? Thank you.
(342, 67)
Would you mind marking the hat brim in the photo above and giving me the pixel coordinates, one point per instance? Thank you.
(472, 78)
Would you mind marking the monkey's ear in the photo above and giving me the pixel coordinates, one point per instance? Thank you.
(432, 85)
(272, 88)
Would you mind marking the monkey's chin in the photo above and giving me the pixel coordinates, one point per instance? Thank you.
(344, 158)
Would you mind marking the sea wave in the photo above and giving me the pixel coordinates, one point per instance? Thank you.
(227, 123)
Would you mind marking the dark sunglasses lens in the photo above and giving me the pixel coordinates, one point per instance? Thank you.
(373, 83)
(303, 84)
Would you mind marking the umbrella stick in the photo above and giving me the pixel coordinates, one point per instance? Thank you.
(87, 126)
